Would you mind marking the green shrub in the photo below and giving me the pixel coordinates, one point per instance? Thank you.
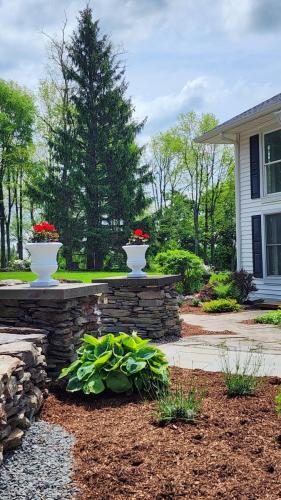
(222, 277)
(223, 290)
(185, 263)
(271, 318)
(195, 302)
(122, 363)
(242, 379)
(179, 406)
(221, 305)
(278, 401)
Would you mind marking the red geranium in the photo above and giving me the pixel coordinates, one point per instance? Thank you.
(146, 236)
(138, 232)
(44, 226)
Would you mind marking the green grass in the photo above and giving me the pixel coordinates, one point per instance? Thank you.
(85, 276)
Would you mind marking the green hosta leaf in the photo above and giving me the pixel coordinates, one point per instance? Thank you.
(102, 360)
(104, 344)
(146, 352)
(118, 382)
(118, 350)
(70, 369)
(114, 366)
(74, 384)
(158, 369)
(94, 385)
(133, 366)
(89, 339)
(129, 343)
(118, 339)
(85, 371)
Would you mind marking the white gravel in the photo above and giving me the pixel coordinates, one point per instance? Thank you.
(40, 469)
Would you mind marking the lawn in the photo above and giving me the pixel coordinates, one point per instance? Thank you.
(85, 276)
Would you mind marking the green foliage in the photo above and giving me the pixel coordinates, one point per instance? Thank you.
(221, 277)
(223, 290)
(179, 406)
(241, 380)
(19, 265)
(185, 263)
(278, 401)
(196, 302)
(221, 305)
(271, 318)
(120, 363)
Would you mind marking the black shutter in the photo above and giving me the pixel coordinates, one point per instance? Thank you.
(257, 246)
(255, 166)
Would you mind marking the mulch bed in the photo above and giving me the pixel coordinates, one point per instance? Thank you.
(188, 330)
(186, 308)
(248, 322)
(232, 452)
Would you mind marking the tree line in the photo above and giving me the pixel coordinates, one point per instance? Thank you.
(69, 154)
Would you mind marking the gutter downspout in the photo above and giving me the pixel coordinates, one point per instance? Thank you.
(238, 203)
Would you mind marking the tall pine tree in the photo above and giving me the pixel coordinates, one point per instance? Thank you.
(111, 179)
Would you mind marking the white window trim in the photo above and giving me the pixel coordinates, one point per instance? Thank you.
(267, 277)
(267, 197)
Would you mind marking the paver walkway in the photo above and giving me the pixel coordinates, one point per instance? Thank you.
(205, 351)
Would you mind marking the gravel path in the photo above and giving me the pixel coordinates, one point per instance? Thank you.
(40, 469)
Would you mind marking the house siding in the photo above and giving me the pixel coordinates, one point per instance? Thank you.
(269, 288)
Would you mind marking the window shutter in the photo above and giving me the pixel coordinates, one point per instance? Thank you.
(257, 246)
(255, 166)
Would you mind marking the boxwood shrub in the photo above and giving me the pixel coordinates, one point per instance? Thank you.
(185, 263)
(221, 305)
(120, 363)
(270, 318)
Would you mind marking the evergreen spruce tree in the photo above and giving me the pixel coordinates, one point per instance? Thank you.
(111, 178)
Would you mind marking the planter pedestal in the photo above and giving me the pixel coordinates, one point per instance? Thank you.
(148, 305)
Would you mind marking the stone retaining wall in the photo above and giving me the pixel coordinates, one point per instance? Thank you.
(22, 382)
(147, 305)
(65, 312)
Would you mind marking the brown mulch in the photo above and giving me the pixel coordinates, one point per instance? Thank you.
(188, 330)
(248, 322)
(187, 308)
(232, 452)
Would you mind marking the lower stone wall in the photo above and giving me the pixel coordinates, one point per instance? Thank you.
(66, 321)
(152, 311)
(22, 384)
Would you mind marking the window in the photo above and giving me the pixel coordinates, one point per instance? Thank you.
(272, 161)
(273, 244)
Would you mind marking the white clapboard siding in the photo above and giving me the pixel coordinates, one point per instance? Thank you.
(269, 288)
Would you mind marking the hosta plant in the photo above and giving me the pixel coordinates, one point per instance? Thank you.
(120, 363)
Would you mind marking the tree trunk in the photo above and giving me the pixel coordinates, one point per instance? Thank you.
(20, 240)
(2, 227)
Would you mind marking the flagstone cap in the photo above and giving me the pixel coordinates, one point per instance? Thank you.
(117, 281)
(63, 291)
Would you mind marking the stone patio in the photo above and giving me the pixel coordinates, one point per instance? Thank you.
(204, 351)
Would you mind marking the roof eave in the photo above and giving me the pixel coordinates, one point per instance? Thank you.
(221, 134)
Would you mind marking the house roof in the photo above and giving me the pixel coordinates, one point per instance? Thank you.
(216, 135)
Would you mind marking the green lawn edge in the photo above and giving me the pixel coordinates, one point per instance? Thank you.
(84, 276)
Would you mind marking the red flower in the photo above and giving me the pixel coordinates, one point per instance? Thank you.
(44, 226)
(138, 232)
(146, 236)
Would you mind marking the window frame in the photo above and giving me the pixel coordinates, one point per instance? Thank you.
(277, 194)
(267, 278)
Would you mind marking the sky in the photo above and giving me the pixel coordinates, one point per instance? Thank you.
(219, 56)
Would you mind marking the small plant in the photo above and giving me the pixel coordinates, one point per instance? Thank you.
(19, 265)
(241, 380)
(270, 318)
(196, 302)
(44, 233)
(120, 363)
(222, 277)
(206, 293)
(278, 401)
(138, 238)
(221, 305)
(223, 290)
(179, 406)
(243, 283)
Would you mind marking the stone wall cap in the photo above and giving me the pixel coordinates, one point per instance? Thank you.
(63, 291)
(116, 281)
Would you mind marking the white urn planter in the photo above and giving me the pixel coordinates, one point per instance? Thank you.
(44, 262)
(136, 260)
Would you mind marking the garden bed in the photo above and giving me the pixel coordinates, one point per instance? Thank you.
(188, 330)
(233, 451)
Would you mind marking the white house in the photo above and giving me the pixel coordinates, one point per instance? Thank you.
(256, 134)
